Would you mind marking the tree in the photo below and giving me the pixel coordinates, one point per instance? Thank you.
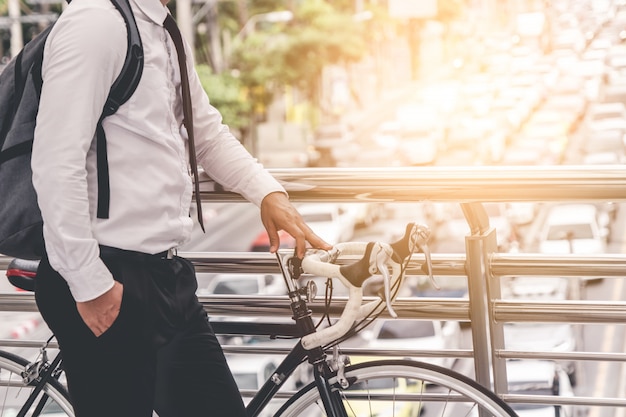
(225, 92)
(295, 53)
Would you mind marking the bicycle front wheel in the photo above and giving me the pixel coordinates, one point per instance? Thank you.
(14, 392)
(401, 388)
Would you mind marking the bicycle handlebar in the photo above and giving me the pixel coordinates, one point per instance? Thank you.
(384, 259)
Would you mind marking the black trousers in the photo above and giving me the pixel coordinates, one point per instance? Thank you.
(160, 354)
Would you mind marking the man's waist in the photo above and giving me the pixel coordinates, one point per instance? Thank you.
(108, 251)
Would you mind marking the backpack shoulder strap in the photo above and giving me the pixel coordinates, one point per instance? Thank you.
(121, 90)
(126, 83)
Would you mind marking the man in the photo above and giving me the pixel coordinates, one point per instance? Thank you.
(123, 309)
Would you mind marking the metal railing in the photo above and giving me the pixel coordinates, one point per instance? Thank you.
(481, 264)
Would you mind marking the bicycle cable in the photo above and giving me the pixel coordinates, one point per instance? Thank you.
(367, 320)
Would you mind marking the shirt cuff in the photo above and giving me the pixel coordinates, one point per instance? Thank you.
(89, 282)
(257, 191)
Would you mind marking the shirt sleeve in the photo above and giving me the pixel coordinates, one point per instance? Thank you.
(221, 155)
(83, 56)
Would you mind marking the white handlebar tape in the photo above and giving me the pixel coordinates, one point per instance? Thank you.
(353, 311)
(348, 317)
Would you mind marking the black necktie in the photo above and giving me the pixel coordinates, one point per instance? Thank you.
(170, 25)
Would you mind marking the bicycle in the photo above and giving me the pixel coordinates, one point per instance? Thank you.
(387, 387)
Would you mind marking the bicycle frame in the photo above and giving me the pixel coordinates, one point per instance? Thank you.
(331, 376)
(40, 372)
(304, 325)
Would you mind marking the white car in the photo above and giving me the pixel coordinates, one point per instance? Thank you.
(251, 372)
(244, 284)
(364, 214)
(543, 337)
(521, 212)
(414, 335)
(332, 222)
(606, 116)
(452, 225)
(537, 377)
(574, 228)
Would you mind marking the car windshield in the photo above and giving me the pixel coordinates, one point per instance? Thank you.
(406, 329)
(570, 231)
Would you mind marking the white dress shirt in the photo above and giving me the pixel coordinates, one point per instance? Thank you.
(151, 187)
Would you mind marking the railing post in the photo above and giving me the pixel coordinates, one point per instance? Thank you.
(486, 334)
(478, 309)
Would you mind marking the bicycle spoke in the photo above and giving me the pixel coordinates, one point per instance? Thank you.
(52, 400)
(402, 389)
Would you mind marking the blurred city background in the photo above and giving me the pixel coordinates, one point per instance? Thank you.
(422, 83)
(397, 82)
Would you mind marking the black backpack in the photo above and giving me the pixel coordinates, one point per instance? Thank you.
(20, 87)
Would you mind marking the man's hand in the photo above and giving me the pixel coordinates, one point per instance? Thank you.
(100, 313)
(277, 213)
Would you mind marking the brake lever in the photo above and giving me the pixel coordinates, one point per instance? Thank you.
(420, 234)
(382, 257)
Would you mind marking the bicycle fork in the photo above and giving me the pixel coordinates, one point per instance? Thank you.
(330, 394)
(39, 373)
(331, 397)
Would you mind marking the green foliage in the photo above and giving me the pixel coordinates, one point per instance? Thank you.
(296, 52)
(225, 93)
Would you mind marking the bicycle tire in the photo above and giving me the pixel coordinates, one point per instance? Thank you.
(13, 390)
(431, 388)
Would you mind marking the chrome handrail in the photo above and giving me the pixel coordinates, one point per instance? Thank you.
(481, 264)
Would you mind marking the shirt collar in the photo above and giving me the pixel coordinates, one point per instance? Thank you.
(153, 9)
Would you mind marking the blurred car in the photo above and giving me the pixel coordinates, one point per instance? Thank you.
(452, 224)
(573, 104)
(365, 214)
(412, 335)
(262, 242)
(605, 140)
(538, 288)
(521, 212)
(550, 128)
(604, 146)
(615, 92)
(606, 116)
(417, 151)
(332, 222)
(251, 372)
(446, 286)
(544, 337)
(335, 145)
(603, 158)
(574, 228)
(535, 377)
(245, 284)
(531, 153)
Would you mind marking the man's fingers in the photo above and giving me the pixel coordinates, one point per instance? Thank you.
(300, 246)
(274, 242)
